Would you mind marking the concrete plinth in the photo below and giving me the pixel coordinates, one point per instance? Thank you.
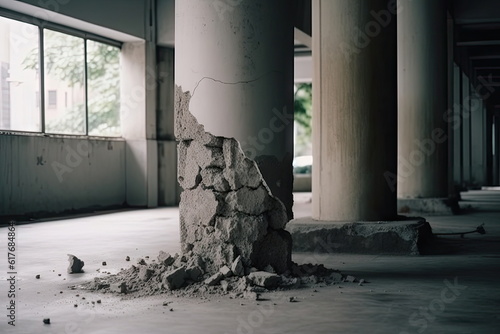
(433, 206)
(396, 237)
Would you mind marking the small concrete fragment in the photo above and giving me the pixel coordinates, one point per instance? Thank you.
(335, 277)
(75, 265)
(226, 271)
(265, 279)
(214, 279)
(196, 261)
(225, 285)
(251, 295)
(237, 267)
(165, 258)
(120, 287)
(350, 279)
(145, 273)
(175, 279)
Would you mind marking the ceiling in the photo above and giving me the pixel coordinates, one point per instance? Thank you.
(476, 37)
(477, 45)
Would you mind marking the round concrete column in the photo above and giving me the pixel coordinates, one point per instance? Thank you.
(236, 59)
(355, 109)
(422, 98)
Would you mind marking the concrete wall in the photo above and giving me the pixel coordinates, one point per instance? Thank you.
(52, 175)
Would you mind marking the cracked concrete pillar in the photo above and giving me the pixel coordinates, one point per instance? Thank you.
(234, 124)
(423, 78)
(236, 60)
(355, 109)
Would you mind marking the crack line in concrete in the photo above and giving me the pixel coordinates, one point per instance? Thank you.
(232, 83)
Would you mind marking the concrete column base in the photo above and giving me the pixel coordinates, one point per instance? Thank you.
(428, 206)
(406, 237)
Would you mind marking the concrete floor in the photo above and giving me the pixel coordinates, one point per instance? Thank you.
(405, 294)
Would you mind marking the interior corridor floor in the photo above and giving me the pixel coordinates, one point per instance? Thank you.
(455, 290)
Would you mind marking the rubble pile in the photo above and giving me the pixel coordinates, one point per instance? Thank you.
(187, 275)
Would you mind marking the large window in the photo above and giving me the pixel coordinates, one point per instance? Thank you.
(79, 78)
(19, 84)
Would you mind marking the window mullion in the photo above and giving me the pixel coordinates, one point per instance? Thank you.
(85, 81)
(42, 78)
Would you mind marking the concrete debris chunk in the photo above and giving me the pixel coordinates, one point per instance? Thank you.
(75, 265)
(237, 267)
(290, 282)
(335, 277)
(193, 273)
(145, 273)
(175, 279)
(225, 285)
(214, 279)
(251, 295)
(141, 261)
(350, 279)
(120, 287)
(226, 271)
(265, 279)
(309, 279)
(196, 261)
(165, 258)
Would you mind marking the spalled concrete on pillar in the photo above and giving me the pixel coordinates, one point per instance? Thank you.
(226, 209)
(428, 206)
(395, 237)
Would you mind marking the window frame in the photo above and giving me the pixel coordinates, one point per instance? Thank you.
(44, 24)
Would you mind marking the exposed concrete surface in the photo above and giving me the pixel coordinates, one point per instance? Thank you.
(427, 206)
(242, 86)
(400, 286)
(397, 237)
(226, 208)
